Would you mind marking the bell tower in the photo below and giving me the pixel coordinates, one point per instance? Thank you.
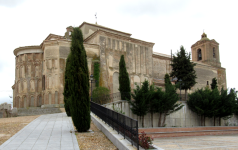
(206, 51)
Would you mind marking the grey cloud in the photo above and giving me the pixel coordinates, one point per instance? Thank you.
(152, 7)
(11, 3)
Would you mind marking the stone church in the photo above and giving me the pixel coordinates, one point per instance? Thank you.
(39, 70)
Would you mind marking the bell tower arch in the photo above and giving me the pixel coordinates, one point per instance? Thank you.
(206, 51)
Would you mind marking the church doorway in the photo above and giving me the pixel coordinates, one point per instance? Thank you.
(199, 54)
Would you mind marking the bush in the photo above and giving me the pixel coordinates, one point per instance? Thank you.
(145, 141)
(101, 95)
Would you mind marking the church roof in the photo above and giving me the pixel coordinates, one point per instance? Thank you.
(203, 39)
(119, 36)
(103, 27)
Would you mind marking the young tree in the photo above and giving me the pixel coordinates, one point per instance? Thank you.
(66, 88)
(201, 102)
(227, 104)
(140, 96)
(183, 69)
(214, 83)
(79, 83)
(165, 102)
(124, 81)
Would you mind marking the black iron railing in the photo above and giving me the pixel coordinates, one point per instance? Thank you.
(110, 98)
(124, 125)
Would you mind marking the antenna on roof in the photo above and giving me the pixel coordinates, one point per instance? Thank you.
(96, 17)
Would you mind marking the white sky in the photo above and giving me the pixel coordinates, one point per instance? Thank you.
(167, 23)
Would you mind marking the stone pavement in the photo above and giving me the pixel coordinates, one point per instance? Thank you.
(47, 132)
(216, 142)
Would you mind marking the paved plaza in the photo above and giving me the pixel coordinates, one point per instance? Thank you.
(216, 142)
(47, 132)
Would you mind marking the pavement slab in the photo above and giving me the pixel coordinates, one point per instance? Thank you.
(214, 142)
(50, 131)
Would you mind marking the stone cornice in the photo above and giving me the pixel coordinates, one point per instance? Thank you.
(162, 56)
(113, 35)
(96, 25)
(27, 49)
(205, 41)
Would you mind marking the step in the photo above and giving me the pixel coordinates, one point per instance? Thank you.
(31, 111)
(191, 131)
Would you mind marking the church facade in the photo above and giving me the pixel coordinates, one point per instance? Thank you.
(39, 70)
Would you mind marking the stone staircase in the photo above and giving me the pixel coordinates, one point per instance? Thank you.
(31, 111)
(191, 131)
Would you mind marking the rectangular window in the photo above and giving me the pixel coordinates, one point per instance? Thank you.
(43, 82)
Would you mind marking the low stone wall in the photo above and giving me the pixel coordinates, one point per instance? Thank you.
(5, 110)
(181, 118)
(31, 111)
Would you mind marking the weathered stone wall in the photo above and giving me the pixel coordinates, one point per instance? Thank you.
(28, 83)
(37, 111)
(181, 118)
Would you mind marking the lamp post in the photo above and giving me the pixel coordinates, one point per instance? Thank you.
(91, 78)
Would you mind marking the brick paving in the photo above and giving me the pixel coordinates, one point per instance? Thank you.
(47, 132)
(216, 142)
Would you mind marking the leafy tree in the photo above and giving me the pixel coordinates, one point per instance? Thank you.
(227, 104)
(101, 95)
(166, 102)
(183, 69)
(139, 104)
(79, 83)
(66, 88)
(124, 81)
(96, 73)
(214, 83)
(201, 102)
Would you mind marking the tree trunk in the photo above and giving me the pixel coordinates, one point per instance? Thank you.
(219, 121)
(152, 119)
(214, 121)
(143, 121)
(186, 94)
(201, 120)
(164, 119)
(159, 119)
(204, 121)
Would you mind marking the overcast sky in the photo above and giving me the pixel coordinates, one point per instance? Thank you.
(167, 23)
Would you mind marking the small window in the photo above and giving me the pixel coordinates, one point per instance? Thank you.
(207, 82)
(69, 33)
(214, 54)
(43, 82)
(199, 54)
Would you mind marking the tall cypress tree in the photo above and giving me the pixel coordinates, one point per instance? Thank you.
(79, 83)
(66, 88)
(124, 81)
(214, 83)
(183, 69)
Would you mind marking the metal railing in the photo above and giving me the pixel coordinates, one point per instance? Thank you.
(110, 98)
(124, 125)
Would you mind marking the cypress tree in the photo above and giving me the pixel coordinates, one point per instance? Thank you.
(79, 83)
(124, 81)
(96, 73)
(66, 88)
(183, 69)
(214, 83)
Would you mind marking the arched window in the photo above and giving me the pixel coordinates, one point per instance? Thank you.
(25, 102)
(39, 101)
(56, 97)
(214, 52)
(199, 54)
(32, 101)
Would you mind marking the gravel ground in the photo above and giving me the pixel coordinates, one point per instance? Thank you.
(10, 126)
(94, 140)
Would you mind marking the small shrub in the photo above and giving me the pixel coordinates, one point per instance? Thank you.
(145, 141)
